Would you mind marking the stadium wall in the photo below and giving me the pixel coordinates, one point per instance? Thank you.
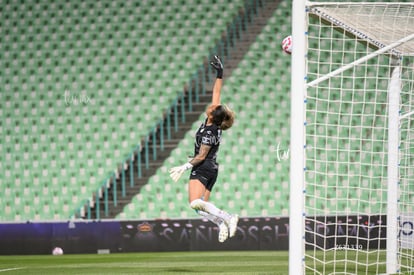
(136, 236)
(114, 236)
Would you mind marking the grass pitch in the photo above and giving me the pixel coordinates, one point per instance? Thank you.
(217, 262)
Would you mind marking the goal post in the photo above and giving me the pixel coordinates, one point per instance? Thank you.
(352, 130)
(297, 140)
(394, 91)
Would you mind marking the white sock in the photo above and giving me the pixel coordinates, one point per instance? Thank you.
(210, 217)
(199, 204)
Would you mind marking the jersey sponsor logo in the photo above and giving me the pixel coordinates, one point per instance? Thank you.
(210, 140)
(206, 140)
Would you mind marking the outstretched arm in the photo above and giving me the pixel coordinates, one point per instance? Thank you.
(216, 91)
(218, 65)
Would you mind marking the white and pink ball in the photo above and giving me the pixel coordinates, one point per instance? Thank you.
(287, 44)
(57, 251)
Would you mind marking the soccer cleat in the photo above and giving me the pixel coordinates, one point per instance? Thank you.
(223, 232)
(233, 225)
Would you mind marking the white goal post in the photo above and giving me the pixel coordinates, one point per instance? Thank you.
(352, 138)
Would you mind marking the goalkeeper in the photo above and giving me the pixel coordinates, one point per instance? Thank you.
(204, 168)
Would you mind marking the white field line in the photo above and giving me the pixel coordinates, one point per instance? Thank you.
(10, 269)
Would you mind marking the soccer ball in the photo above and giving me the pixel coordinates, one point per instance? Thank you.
(57, 251)
(287, 44)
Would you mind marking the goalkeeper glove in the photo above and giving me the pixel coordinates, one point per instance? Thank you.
(218, 65)
(177, 172)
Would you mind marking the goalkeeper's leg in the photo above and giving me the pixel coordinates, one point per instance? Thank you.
(198, 190)
(208, 207)
(223, 230)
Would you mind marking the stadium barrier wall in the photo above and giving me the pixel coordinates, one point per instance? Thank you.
(139, 236)
(112, 236)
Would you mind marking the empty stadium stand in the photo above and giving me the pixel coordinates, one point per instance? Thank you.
(86, 84)
(252, 180)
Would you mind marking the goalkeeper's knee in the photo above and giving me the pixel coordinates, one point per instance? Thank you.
(197, 204)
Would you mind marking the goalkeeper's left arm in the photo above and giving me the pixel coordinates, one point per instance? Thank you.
(217, 64)
(177, 172)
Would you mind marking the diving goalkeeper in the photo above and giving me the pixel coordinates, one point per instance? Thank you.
(204, 167)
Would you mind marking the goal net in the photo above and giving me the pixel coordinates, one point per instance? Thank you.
(358, 174)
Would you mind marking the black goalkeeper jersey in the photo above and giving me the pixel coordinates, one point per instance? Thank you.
(209, 135)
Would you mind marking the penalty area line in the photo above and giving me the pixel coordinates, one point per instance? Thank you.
(11, 269)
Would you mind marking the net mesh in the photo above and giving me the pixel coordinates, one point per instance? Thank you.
(346, 137)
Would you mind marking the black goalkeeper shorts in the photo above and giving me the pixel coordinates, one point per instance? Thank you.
(206, 173)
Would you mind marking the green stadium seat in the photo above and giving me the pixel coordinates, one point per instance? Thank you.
(106, 60)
